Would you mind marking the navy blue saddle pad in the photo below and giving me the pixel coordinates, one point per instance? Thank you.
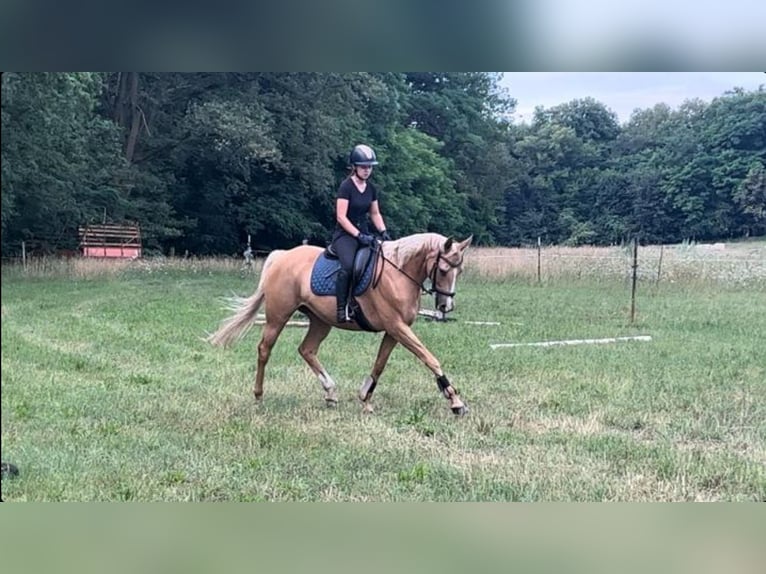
(325, 270)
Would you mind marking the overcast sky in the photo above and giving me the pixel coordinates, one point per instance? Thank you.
(622, 92)
(654, 34)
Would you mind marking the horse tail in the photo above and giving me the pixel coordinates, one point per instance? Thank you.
(237, 326)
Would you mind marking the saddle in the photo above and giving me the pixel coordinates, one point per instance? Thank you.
(327, 266)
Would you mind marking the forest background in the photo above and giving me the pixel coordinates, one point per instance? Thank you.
(203, 160)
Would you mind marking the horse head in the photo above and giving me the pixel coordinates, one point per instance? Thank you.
(447, 266)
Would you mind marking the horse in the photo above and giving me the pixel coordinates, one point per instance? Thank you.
(390, 305)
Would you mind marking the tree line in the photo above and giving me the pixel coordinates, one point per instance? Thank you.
(202, 160)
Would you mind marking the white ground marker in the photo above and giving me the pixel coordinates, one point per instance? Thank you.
(439, 316)
(260, 319)
(572, 342)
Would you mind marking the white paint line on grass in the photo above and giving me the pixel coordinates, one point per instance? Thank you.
(572, 342)
(481, 322)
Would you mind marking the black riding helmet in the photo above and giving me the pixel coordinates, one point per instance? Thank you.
(362, 155)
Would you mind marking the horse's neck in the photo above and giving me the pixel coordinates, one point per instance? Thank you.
(415, 264)
(416, 268)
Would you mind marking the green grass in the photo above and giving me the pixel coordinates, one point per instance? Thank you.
(109, 393)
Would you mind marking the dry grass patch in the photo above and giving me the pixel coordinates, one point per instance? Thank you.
(735, 263)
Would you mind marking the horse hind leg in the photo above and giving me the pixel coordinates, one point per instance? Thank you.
(269, 336)
(309, 348)
(370, 382)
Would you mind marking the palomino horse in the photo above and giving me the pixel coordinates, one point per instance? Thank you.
(390, 305)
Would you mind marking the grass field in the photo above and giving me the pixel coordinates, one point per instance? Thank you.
(109, 393)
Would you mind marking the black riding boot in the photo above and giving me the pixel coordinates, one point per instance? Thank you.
(341, 295)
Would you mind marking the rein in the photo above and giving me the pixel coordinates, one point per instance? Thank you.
(432, 275)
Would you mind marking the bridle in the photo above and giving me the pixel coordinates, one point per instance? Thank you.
(431, 275)
(434, 288)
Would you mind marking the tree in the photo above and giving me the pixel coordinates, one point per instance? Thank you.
(419, 193)
(467, 112)
(202, 160)
(590, 120)
(750, 199)
(60, 160)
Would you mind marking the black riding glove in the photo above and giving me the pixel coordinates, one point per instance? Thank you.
(384, 236)
(365, 239)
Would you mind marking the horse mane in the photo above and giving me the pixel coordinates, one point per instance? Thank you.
(402, 250)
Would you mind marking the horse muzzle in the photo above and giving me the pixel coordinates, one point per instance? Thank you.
(445, 304)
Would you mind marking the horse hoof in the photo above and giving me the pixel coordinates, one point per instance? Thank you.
(368, 409)
(365, 392)
(460, 411)
(331, 403)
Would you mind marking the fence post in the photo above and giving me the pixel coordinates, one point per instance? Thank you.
(659, 265)
(24, 255)
(539, 256)
(635, 274)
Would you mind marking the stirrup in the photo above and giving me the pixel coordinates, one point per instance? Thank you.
(342, 316)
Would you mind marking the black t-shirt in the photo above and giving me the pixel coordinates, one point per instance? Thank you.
(358, 203)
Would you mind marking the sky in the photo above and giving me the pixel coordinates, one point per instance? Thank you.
(622, 92)
(654, 34)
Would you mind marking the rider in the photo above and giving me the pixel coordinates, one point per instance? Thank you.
(357, 197)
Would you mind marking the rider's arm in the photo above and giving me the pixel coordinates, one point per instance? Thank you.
(341, 211)
(376, 217)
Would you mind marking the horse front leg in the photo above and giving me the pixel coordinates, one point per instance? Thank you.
(368, 386)
(410, 341)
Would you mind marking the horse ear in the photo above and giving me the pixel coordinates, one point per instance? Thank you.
(464, 244)
(447, 245)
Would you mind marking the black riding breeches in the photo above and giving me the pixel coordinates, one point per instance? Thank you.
(345, 246)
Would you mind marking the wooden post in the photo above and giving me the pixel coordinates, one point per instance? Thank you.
(635, 277)
(24, 255)
(539, 257)
(659, 265)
